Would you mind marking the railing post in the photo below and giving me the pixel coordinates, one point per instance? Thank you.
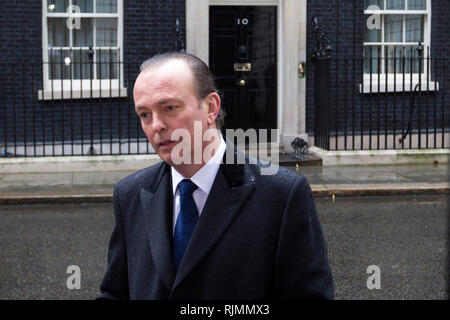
(91, 53)
(419, 112)
(320, 58)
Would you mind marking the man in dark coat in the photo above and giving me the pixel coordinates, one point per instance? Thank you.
(199, 226)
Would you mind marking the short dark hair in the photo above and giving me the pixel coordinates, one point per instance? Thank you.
(204, 82)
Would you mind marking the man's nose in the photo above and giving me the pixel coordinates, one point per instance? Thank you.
(158, 123)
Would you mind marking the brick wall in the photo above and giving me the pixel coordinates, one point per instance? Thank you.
(343, 22)
(149, 27)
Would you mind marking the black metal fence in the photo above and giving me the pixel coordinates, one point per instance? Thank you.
(73, 106)
(70, 107)
(396, 99)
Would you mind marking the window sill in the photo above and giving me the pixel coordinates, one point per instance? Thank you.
(399, 86)
(81, 94)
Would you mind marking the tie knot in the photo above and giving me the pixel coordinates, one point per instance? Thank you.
(186, 187)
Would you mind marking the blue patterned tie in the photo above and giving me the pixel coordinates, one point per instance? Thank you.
(186, 221)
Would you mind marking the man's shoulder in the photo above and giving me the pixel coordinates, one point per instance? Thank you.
(276, 177)
(139, 179)
(280, 188)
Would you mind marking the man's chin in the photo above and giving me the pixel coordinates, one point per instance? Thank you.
(165, 156)
(168, 157)
(173, 159)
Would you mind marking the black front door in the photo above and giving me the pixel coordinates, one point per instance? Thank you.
(242, 53)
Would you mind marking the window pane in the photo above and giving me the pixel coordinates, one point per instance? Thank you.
(58, 33)
(372, 63)
(393, 28)
(395, 4)
(59, 59)
(57, 6)
(107, 64)
(85, 5)
(413, 61)
(83, 37)
(378, 3)
(106, 32)
(371, 35)
(81, 64)
(417, 5)
(106, 6)
(394, 59)
(414, 28)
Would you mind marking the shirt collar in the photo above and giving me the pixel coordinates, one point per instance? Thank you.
(203, 178)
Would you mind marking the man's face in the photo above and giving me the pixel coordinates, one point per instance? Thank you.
(165, 100)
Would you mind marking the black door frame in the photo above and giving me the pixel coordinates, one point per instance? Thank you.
(291, 46)
(273, 89)
(278, 100)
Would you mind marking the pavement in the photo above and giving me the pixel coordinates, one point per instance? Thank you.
(405, 236)
(380, 180)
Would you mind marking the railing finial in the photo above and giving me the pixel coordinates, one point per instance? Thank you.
(322, 47)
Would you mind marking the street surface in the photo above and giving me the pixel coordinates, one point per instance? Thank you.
(406, 237)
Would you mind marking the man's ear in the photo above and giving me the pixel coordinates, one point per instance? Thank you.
(214, 104)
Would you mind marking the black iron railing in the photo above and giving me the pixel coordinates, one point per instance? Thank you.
(56, 109)
(396, 99)
(69, 107)
(321, 58)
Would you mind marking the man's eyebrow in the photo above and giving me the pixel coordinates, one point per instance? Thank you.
(140, 108)
(169, 100)
(162, 102)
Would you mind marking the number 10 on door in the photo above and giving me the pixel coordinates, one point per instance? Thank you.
(244, 21)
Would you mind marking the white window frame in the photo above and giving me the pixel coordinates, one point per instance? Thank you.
(81, 88)
(426, 84)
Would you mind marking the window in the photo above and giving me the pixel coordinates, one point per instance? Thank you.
(391, 39)
(82, 49)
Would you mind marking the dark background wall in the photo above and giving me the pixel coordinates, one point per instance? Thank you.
(343, 23)
(149, 28)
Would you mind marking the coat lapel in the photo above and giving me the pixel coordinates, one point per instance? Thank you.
(228, 194)
(156, 202)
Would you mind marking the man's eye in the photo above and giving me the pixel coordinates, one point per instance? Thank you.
(171, 108)
(145, 115)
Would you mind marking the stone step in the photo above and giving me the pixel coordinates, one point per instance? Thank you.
(288, 160)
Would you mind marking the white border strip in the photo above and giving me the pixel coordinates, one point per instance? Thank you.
(78, 163)
(381, 157)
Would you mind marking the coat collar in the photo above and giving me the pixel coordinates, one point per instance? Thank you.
(229, 192)
(156, 202)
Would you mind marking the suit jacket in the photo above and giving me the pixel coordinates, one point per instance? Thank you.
(258, 237)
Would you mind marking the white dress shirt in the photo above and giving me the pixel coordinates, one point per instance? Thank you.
(203, 178)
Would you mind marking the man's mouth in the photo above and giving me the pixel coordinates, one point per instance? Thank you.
(166, 143)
